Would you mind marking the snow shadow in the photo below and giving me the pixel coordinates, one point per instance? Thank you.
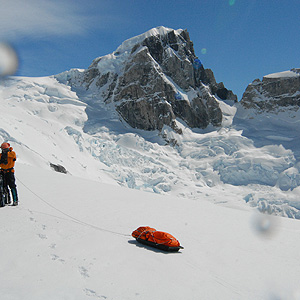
(137, 244)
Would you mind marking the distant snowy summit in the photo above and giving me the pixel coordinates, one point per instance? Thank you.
(153, 79)
(276, 92)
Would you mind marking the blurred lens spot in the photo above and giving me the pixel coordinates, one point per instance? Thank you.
(272, 296)
(231, 2)
(8, 60)
(264, 225)
(203, 51)
(291, 295)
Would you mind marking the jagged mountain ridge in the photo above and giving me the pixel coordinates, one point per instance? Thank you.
(276, 92)
(152, 79)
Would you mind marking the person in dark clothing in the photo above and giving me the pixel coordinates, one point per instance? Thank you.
(7, 163)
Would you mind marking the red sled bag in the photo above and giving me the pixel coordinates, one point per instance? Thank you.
(158, 239)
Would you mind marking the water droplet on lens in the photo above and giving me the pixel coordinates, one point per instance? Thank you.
(203, 51)
(8, 60)
(264, 224)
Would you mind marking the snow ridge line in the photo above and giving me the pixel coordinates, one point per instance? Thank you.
(69, 216)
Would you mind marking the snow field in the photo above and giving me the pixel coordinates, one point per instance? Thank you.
(70, 239)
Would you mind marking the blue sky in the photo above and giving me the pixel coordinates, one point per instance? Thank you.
(240, 40)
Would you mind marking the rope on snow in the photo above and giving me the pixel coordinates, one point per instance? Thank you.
(69, 216)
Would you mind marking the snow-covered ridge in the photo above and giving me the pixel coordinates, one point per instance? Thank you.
(130, 43)
(114, 62)
(285, 74)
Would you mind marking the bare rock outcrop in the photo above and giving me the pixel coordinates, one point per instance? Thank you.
(276, 92)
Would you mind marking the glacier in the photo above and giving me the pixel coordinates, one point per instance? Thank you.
(44, 119)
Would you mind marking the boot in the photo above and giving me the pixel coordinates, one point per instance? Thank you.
(15, 196)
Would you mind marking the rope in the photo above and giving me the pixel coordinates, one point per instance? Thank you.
(69, 216)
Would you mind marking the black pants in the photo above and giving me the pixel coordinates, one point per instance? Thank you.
(9, 180)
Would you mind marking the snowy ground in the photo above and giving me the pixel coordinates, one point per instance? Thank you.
(70, 239)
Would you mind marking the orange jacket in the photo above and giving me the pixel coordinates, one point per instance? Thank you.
(11, 158)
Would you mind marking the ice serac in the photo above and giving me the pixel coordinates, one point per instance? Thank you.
(152, 80)
(276, 92)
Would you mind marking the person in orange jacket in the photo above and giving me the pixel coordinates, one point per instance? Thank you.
(7, 163)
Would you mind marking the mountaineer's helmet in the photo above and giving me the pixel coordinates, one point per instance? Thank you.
(5, 145)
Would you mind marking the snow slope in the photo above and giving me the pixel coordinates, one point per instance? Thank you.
(70, 239)
(45, 122)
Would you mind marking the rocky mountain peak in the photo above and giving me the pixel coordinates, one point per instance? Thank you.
(277, 91)
(154, 78)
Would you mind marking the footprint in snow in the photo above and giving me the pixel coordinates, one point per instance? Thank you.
(92, 293)
(83, 272)
(56, 257)
(52, 246)
(42, 236)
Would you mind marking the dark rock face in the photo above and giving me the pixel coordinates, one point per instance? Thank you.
(268, 112)
(158, 82)
(274, 93)
(58, 168)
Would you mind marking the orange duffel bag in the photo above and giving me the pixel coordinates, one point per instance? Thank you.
(158, 239)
